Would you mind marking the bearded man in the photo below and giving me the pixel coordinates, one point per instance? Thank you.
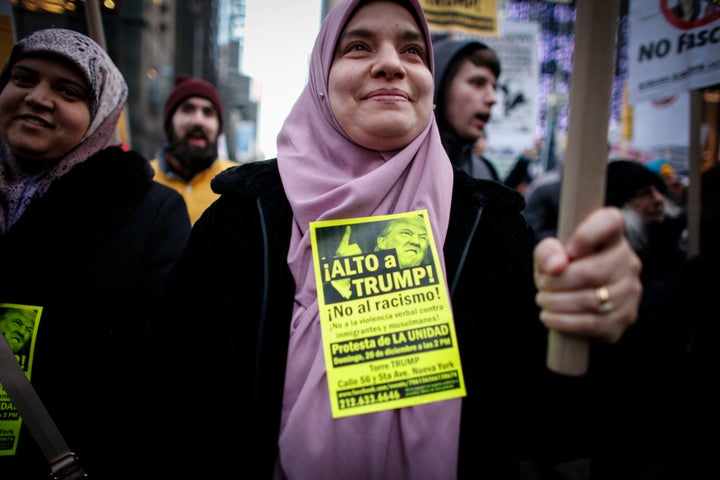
(193, 121)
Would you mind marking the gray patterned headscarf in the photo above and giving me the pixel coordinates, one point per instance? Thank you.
(108, 94)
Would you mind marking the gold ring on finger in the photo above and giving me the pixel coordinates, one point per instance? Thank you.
(603, 297)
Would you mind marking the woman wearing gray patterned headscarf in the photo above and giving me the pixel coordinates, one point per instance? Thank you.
(86, 237)
(104, 93)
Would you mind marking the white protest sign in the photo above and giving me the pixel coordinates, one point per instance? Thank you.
(674, 47)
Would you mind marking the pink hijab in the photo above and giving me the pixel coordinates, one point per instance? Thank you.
(328, 176)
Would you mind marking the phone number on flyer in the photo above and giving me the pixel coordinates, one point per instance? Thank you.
(368, 399)
(411, 387)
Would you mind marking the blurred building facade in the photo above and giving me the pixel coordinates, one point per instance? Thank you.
(151, 41)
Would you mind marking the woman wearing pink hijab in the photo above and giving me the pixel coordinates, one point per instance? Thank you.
(361, 141)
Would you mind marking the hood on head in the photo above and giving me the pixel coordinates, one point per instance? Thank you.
(444, 52)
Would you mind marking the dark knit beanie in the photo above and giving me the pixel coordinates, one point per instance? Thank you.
(625, 178)
(186, 87)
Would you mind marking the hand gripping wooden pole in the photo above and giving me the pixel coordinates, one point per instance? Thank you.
(586, 156)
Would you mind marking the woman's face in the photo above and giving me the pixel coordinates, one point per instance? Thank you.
(380, 85)
(44, 108)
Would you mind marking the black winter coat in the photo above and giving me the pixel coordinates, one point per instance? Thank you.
(217, 360)
(93, 252)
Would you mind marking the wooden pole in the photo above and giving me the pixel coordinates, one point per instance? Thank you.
(694, 202)
(93, 16)
(585, 163)
(94, 22)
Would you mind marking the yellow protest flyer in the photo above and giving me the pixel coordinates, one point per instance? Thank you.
(19, 325)
(387, 326)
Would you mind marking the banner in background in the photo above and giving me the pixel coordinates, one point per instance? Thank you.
(662, 122)
(516, 115)
(474, 17)
(674, 47)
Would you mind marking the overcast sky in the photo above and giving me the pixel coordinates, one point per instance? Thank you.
(278, 41)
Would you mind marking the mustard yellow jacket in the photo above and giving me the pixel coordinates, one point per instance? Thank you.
(197, 192)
